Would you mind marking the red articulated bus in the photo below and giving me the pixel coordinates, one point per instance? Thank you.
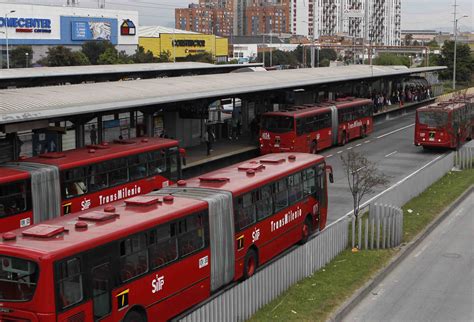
(151, 257)
(314, 127)
(444, 124)
(59, 183)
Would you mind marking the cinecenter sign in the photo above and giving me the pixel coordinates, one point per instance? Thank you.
(27, 24)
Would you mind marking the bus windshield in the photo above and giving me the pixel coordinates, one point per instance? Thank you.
(278, 124)
(432, 118)
(18, 278)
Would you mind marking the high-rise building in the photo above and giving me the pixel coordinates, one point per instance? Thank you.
(376, 20)
(266, 17)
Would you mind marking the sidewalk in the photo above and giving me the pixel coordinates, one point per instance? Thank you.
(394, 107)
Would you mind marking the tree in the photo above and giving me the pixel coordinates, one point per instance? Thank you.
(93, 49)
(464, 61)
(63, 56)
(408, 39)
(141, 56)
(21, 56)
(362, 176)
(205, 57)
(165, 57)
(391, 59)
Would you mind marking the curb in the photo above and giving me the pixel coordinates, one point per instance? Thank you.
(361, 293)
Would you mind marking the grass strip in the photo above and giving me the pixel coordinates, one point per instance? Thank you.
(316, 297)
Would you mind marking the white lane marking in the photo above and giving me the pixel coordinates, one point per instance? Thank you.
(338, 152)
(421, 251)
(328, 156)
(391, 187)
(368, 141)
(391, 154)
(395, 131)
(349, 148)
(358, 144)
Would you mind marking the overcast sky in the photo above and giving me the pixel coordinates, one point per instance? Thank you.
(416, 14)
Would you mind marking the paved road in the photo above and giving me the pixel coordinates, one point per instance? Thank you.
(391, 147)
(435, 283)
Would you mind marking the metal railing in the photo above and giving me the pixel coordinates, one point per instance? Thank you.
(464, 158)
(244, 299)
(383, 228)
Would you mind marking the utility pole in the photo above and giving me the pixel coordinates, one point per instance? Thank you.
(455, 41)
(6, 37)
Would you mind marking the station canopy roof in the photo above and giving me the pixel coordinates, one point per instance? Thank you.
(40, 103)
(48, 72)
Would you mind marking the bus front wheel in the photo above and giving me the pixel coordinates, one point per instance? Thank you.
(134, 316)
(251, 263)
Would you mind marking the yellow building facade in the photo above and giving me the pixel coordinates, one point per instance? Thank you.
(180, 45)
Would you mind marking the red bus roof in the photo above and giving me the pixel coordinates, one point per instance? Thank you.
(129, 220)
(11, 175)
(238, 180)
(318, 108)
(83, 156)
(349, 102)
(441, 106)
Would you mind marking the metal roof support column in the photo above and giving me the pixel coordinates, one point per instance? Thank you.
(100, 130)
(80, 134)
(149, 124)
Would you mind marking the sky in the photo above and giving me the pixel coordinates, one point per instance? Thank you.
(416, 14)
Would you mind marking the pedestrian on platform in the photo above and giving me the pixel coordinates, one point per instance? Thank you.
(93, 135)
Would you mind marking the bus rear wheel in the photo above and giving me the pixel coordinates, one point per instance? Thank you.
(250, 263)
(134, 316)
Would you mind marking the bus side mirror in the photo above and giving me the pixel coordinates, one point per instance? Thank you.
(329, 171)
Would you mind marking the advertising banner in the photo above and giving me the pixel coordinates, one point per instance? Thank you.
(91, 30)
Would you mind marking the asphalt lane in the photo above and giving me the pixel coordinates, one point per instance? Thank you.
(435, 283)
(391, 147)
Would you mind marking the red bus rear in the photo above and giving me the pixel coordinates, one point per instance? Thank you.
(60, 183)
(151, 257)
(314, 127)
(445, 125)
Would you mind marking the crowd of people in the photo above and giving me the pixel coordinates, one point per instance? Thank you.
(410, 94)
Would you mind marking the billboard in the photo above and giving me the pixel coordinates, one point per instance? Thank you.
(91, 30)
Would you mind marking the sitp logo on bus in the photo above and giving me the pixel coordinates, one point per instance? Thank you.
(157, 284)
(27, 24)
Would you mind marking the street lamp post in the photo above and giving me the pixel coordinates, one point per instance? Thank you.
(6, 37)
(455, 45)
(27, 56)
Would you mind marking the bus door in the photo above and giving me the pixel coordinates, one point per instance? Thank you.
(101, 281)
(321, 190)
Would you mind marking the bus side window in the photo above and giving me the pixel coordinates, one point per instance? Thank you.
(309, 182)
(295, 188)
(137, 166)
(264, 202)
(156, 163)
(280, 195)
(192, 234)
(98, 178)
(74, 182)
(163, 245)
(133, 257)
(70, 282)
(300, 126)
(118, 171)
(14, 198)
(244, 211)
(173, 162)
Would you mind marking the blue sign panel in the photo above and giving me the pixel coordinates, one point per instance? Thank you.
(91, 30)
(76, 30)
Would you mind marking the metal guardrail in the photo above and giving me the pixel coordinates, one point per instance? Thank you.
(464, 158)
(244, 299)
(383, 228)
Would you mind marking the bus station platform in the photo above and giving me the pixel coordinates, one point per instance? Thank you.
(224, 152)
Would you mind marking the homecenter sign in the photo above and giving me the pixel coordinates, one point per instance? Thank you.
(27, 24)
